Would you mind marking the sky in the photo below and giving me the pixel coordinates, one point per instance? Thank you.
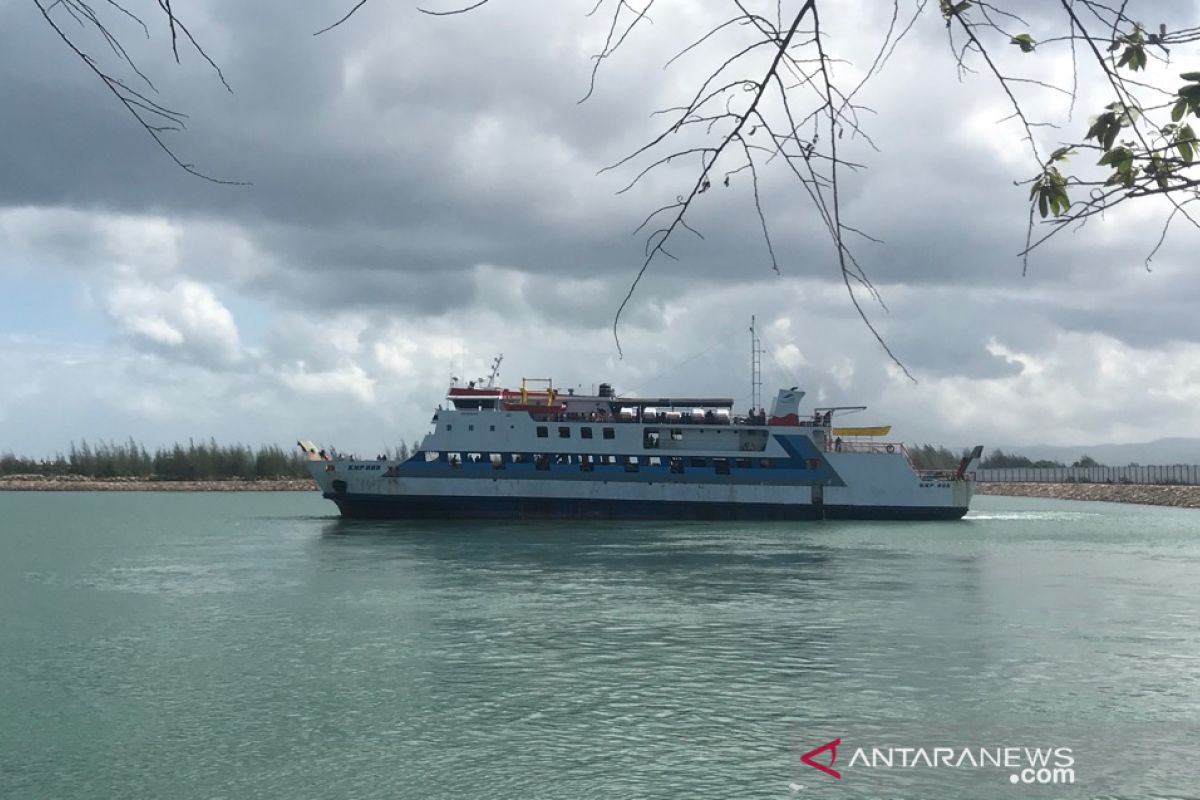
(424, 193)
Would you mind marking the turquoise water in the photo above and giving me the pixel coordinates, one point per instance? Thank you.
(255, 646)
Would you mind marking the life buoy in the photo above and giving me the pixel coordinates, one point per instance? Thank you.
(891, 448)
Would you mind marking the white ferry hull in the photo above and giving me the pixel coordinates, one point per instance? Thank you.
(362, 490)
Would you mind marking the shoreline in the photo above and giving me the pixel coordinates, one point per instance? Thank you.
(79, 483)
(1136, 494)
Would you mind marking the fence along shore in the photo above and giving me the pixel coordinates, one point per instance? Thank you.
(1165, 475)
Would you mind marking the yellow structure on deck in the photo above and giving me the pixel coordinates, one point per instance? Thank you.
(876, 430)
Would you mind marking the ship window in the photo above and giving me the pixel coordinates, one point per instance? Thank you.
(585, 433)
(491, 427)
(765, 463)
(432, 455)
(722, 465)
(650, 438)
(470, 427)
(541, 461)
(449, 427)
(676, 434)
(699, 462)
(655, 461)
(542, 432)
(631, 467)
(610, 460)
(677, 466)
(744, 463)
(609, 433)
(564, 432)
(473, 458)
(585, 465)
(497, 461)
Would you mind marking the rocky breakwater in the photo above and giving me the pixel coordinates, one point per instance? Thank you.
(81, 483)
(1179, 496)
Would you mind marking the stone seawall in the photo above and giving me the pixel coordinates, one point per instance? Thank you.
(79, 483)
(1179, 496)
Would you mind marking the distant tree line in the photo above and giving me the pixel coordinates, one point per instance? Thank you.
(195, 461)
(927, 456)
(998, 459)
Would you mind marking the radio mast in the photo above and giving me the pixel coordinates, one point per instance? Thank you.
(755, 368)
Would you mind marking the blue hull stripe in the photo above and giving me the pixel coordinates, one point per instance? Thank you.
(370, 506)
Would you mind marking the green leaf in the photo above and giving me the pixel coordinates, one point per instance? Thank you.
(1189, 90)
(1059, 200)
(1100, 127)
(1185, 142)
(1023, 41)
(1043, 204)
(1110, 136)
(1190, 76)
(1115, 156)
(1179, 110)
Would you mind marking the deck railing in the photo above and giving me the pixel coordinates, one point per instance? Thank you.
(845, 446)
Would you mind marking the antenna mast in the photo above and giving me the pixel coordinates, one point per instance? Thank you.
(755, 368)
(495, 370)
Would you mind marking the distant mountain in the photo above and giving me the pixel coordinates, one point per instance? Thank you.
(1160, 451)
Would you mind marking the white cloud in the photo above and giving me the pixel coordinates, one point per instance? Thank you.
(186, 318)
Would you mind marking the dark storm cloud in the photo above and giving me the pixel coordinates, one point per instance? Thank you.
(392, 156)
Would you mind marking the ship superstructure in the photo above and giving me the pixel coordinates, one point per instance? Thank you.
(537, 452)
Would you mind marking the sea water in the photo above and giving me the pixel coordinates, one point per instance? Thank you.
(254, 645)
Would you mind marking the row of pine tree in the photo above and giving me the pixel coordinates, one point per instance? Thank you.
(195, 461)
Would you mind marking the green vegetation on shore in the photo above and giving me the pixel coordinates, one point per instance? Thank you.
(196, 461)
(927, 456)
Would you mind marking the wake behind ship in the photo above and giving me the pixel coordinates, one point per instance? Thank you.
(523, 454)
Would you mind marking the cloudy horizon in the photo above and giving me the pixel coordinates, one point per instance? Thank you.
(425, 193)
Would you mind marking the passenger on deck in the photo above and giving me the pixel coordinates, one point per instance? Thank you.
(837, 444)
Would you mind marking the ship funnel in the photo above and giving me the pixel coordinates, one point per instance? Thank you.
(787, 402)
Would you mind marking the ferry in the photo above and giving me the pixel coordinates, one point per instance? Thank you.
(540, 453)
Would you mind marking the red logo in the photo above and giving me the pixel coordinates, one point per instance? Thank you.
(828, 769)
